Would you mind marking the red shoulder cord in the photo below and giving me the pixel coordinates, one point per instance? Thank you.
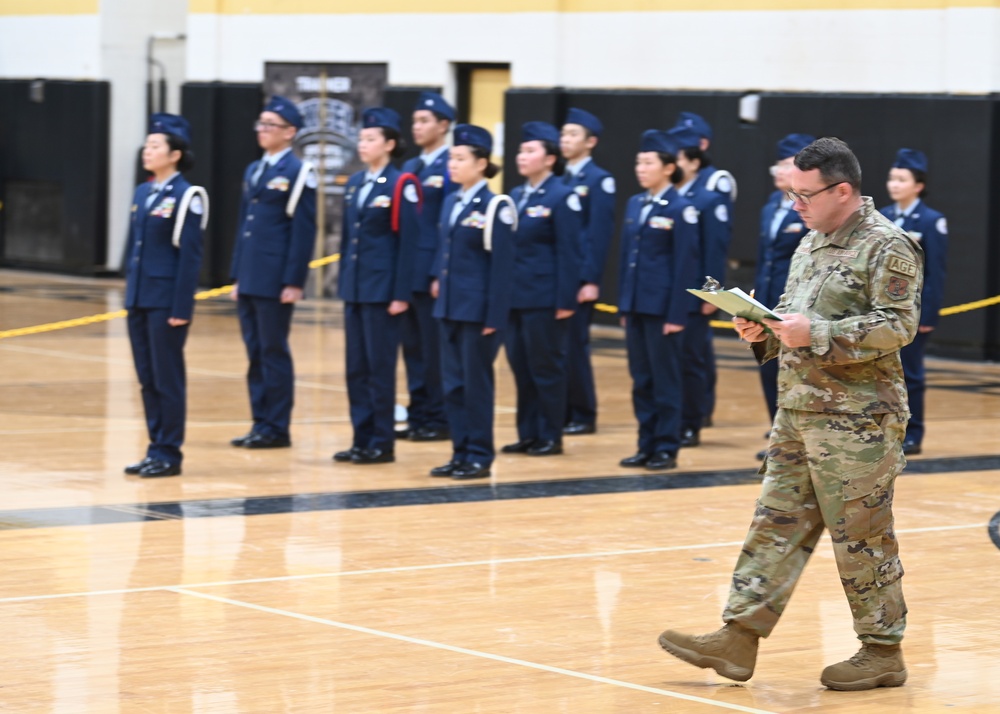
(397, 197)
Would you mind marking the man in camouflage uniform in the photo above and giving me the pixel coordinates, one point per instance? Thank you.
(852, 300)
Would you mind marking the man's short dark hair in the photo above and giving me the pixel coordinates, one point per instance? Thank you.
(834, 159)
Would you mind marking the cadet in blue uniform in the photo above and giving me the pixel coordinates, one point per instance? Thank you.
(781, 229)
(659, 261)
(720, 181)
(907, 183)
(164, 259)
(275, 236)
(545, 283)
(715, 235)
(596, 189)
(472, 288)
(432, 118)
(376, 284)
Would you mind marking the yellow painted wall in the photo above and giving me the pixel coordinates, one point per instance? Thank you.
(49, 7)
(486, 98)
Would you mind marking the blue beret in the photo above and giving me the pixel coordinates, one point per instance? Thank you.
(172, 124)
(471, 135)
(434, 102)
(793, 144)
(910, 159)
(658, 141)
(539, 131)
(686, 137)
(693, 121)
(382, 117)
(286, 110)
(585, 119)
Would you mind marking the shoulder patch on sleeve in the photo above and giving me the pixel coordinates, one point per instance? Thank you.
(506, 215)
(898, 264)
(724, 185)
(410, 193)
(722, 213)
(196, 206)
(311, 181)
(574, 202)
(608, 184)
(690, 214)
(942, 226)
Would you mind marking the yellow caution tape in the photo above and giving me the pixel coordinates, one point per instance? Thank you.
(319, 262)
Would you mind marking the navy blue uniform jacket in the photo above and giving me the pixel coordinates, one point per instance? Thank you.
(435, 186)
(774, 256)
(547, 257)
(376, 263)
(158, 275)
(272, 251)
(473, 283)
(596, 189)
(715, 228)
(659, 258)
(930, 229)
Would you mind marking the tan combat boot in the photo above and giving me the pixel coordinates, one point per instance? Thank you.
(731, 651)
(873, 666)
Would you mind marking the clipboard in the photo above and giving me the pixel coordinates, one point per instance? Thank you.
(736, 302)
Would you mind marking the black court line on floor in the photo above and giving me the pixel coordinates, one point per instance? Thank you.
(472, 493)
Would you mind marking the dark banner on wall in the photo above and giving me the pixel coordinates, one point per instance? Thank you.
(331, 98)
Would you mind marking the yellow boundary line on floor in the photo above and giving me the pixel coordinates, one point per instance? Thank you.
(226, 289)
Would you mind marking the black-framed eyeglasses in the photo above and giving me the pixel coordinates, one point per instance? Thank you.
(268, 126)
(806, 198)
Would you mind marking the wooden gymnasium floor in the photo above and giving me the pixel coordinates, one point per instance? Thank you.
(277, 581)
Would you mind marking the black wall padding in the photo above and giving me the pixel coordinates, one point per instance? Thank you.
(224, 143)
(961, 136)
(55, 150)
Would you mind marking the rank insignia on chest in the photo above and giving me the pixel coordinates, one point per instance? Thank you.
(661, 223)
(474, 220)
(278, 183)
(434, 181)
(381, 202)
(165, 209)
(538, 212)
(898, 289)
(581, 190)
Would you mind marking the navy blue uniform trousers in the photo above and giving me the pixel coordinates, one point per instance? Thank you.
(581, 396)
(769, 381)
(158, 353)
(265, 323)
(536, 350)
(696, 365)
(467, 358)
(654, 362)
(421, 353)
(372, 336)
(912, 357)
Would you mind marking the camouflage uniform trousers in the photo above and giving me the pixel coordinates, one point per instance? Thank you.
(826, 470)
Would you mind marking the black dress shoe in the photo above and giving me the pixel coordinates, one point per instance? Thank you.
(156, 468)
(470, 470)
(661, 461)
(403, 433)
(577, 428)
(347, 454)
(762, 454)
(430, 433)
(266, 441)
(545, 448)
(690, 438)
(447, 470)
(133, 469)
(706, 422)
(242, 440)
(911, 448)
(518, 447)
(373, 456)
(638, 459)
